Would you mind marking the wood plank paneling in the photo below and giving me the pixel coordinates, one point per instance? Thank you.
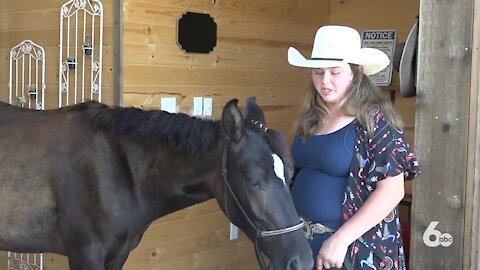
(149, 95)
(54, 262)
(185, 238)
(3, 260)
(3, 17)
(40, 19)
(261, 57)
(168, 75)
(471, 235)
(442, 133)
(206, 208)
(51, 97)
(44, 37)
(236, 252)
(28, 5)
(147, 11)
(232, 34)
(374, 14)
(39, 22)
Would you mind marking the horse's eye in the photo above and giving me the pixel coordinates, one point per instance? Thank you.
(254, 182)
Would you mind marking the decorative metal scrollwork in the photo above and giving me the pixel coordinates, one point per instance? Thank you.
(81, 43)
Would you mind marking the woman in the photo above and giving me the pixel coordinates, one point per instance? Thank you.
(350, 155)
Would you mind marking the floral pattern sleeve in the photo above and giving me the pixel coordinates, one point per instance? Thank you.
(390, 153)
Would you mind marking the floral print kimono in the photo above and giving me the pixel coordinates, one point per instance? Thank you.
(384, 154)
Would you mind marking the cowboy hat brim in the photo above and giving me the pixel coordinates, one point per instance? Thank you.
(372, 60)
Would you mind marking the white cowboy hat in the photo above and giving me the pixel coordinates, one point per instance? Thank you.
(335, 44)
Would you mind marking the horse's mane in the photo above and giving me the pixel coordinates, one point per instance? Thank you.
(188, 134)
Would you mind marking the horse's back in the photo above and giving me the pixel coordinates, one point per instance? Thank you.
(31, 137)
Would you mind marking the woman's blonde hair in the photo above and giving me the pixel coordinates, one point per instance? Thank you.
(362, 100)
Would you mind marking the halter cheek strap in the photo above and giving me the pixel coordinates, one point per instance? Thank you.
(259, 233)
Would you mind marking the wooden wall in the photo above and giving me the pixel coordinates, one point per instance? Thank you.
(383, 15)
(39, 22)
(250, 57)
(250, 60)
(448, 134)
(3, 261)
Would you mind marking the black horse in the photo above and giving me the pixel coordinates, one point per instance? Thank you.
(87, 180)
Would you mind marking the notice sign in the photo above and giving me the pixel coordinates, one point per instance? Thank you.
(383, 40)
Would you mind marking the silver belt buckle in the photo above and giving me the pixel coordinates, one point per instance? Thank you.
(315, 228)
(319, 228)
(308, 228)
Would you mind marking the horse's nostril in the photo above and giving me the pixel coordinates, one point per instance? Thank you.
(293, 264)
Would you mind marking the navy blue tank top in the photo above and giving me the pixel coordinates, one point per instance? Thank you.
(323, 163)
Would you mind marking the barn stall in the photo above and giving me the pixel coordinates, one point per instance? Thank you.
(142, 63)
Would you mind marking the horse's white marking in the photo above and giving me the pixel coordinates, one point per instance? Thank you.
(279, 168)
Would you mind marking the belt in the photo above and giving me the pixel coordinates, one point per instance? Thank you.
(314, 228)
(318, 228)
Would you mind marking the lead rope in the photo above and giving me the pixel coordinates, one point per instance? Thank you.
(258, 253)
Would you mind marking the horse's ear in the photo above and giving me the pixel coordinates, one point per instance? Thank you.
(232, 121)
(253, 111)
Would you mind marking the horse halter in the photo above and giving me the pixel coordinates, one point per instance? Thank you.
(259, 232)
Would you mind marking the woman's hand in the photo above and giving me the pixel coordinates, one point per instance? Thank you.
(386, 196)
(332, 253)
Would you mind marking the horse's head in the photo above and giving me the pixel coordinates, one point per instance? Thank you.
(254, 192)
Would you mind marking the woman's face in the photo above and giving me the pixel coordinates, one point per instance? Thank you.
(332, 83)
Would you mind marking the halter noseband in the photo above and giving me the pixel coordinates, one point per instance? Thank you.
(259, 232)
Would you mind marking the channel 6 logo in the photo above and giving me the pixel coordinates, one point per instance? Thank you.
(434, 238)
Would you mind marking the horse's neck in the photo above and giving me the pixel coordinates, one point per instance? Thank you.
(169, 181)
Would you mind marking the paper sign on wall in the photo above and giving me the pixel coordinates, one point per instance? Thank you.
(385, 41)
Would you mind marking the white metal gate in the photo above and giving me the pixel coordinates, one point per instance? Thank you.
(26, 88)
(21, 261)
(80, 76)
(81, 40)
(26, 85)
